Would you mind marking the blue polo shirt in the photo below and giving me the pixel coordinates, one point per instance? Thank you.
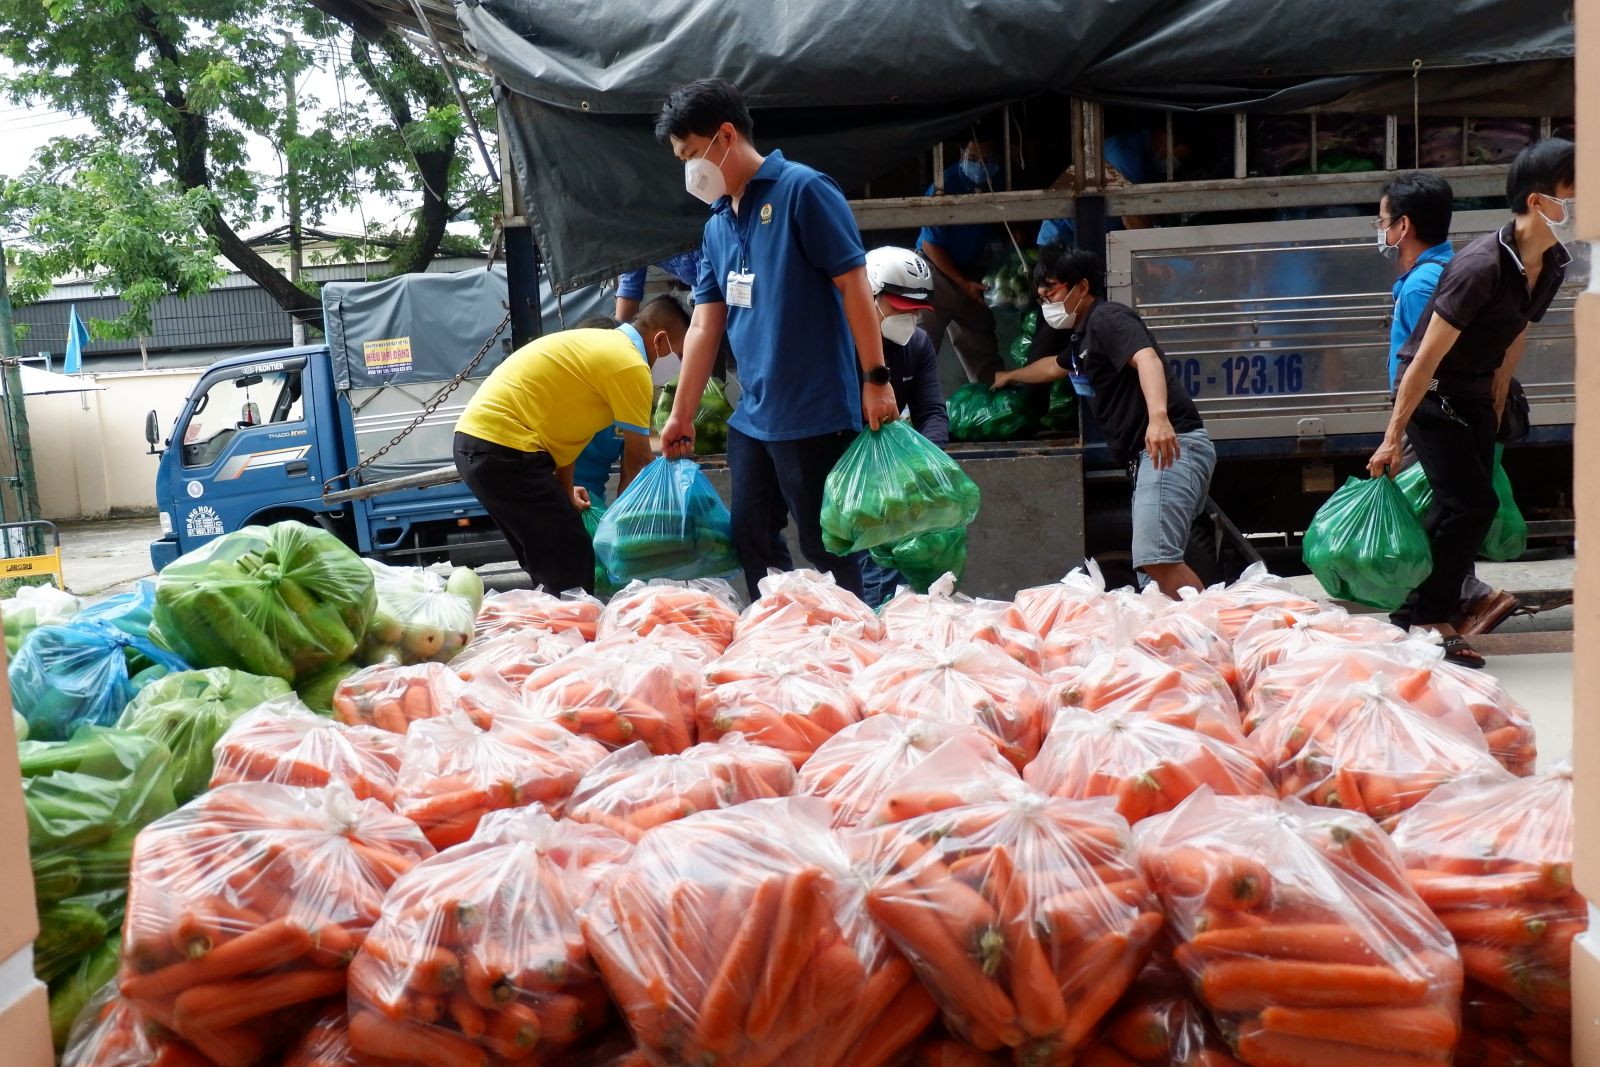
(797, 359)
(1411, 293)
(592, 468)
(685, 266)
(965, 245)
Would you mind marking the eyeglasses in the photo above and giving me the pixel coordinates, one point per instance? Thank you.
(1380, 223)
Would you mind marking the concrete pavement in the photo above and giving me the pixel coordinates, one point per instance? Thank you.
(109, 556)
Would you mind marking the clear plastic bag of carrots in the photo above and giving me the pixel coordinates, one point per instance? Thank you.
(1415, 674)
(110, 1032)
(1362, 748)
(326, 1044)
(941, 620)
(1229, 608)
(246, 905)
(452, 774)
(817, 596)
(631, 792)
(1193, 697)
(477, 958)
(1111, 624)
(793, 707)
(514, 655)
(1147, 766)
(855, 769)
(1275, 637)
(520, 610)
(284, 741)
(1301, 935)
(844, 647)
(392, 697)
(1158, 1023)
(1178, 638)
(619, 692)
(739, 937)
(1493, 859)
(1027, 918)
(702, 608)
(1045, 607)
(975, 684)
(965, 770)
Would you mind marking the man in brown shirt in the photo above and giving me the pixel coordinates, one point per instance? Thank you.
(1456, 371)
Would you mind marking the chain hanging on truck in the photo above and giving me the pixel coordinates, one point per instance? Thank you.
(433, 405)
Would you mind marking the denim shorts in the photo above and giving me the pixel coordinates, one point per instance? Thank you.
(1166, 502)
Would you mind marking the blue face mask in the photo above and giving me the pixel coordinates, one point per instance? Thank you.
(978, 172)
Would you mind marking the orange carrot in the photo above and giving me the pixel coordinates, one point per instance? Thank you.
(1425, 1031)
(221, 1005)
(279, 942)
(1252, 984)
(1142, 1033)
(1321, 942)
(425, 1046)
(792, 943)
(738, 971)
(960, 977)
(1262, 1049)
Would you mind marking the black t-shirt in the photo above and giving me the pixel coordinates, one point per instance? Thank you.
(1102, 350)
(1483, 292)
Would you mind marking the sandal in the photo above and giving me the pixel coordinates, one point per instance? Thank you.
(1457, 651)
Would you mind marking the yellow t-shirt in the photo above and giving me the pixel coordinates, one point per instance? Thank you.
(554, 394)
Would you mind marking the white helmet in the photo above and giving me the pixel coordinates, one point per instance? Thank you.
(901, 275)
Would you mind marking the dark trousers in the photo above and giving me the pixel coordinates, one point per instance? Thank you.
(1453, 438)
(521, 493)
(770, 477)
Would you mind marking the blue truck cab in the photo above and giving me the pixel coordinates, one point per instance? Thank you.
(260, 436)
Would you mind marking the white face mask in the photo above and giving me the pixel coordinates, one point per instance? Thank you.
(704, 179)
(666, 368)
(899, 328)
(1057, 317)
(1385, 249)
(1565, 229)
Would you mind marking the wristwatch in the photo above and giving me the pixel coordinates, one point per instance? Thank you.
(879, 375)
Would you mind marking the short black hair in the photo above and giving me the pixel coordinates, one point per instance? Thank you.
(1067, 265)
(1426, 199)
(598, 322)
(701, 107)
(662, 313)
(1539, 168)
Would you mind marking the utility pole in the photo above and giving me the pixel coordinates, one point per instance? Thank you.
(291, 124)
(16, 407)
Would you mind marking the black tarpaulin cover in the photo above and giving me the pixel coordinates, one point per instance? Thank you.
(855, 86)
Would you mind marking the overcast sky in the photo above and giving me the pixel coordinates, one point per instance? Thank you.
(24, 129)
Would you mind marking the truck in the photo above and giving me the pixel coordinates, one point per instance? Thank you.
(262, 437)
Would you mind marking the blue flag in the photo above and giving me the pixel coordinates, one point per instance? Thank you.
(77, 338)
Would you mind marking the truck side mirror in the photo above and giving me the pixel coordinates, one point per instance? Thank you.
(152, 432)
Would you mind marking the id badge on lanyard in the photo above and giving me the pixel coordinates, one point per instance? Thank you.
(741, 285)
(1080, 380)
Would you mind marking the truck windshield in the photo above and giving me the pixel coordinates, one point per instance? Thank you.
(239, 403)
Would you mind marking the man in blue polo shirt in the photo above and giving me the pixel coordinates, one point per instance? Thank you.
(783, 275)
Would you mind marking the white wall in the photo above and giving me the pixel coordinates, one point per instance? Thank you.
(89, 451)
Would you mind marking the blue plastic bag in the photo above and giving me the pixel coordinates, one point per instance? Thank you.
(82, 673)
(129, 612)
(670, 523)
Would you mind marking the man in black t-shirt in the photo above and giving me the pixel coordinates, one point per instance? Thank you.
(1456, 373)
(1148, 419)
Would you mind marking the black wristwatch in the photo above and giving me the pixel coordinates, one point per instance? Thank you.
(879, 375)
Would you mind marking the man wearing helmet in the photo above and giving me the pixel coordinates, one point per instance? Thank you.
(902, 285)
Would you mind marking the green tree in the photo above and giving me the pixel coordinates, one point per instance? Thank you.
(176, 90)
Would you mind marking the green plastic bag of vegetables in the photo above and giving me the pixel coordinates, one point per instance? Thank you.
(979, 413)
(669, 523)
(82, 673)
(604, 587)
(1507, 538)
(710, 418)
(35, 606)
(1062, 414)
(1017, 353)
(1365, 545)
(892, 483)
(190, 711)
(924, 558)
(281, 601)
(86, 800)
(71, 993)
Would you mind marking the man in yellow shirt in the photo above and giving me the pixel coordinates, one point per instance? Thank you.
(517, 439)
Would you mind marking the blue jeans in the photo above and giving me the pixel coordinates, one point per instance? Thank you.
(1165, 502)
(771, 477)
(879, 582)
